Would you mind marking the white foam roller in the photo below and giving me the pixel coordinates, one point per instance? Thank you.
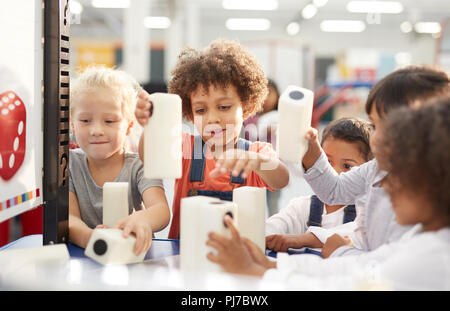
(115, 202)
(199, 216)
(162, 138)
(295, 107)
(251, 213)
(109, 246)
(36, 254)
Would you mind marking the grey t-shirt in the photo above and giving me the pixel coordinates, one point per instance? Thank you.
(90, 195)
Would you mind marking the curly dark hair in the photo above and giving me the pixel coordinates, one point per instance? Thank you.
(404, 86)
(415, 151)
(353, 130)
(221, 64)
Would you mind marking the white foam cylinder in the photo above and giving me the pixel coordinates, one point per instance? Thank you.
(251, 213)
(115, 202)
(162, 138)
(295, 107)
(199, 216)
(36, 254)
(109, 246)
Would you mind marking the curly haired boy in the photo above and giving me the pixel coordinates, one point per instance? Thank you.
(220, 86)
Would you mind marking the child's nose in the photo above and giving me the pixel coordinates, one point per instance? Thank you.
(96, 129)
(212, 118)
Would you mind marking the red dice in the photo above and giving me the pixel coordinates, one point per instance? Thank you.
(13, 121)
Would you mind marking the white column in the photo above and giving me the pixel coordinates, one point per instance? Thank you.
(174, 41)
(193, 25)
(136, 41)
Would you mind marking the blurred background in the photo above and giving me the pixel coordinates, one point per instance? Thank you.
(337, 48)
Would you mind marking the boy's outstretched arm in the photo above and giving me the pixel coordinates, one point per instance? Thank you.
(274, 173)
(314, 149)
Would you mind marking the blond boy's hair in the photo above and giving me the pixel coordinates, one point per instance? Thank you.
(121, 85)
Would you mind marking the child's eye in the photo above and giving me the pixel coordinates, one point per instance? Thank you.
(224, 107)
(84, 120)
(347, 166)
(201, 110)
(109, 121)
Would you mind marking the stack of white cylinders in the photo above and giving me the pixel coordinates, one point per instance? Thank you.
(163, 135)
(251, 213)
(115, 202)
(201, 215)
(295, 107)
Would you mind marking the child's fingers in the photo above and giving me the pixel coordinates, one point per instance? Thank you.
(141, 237)
(311, 134)
(234, 231)
(217, 238)
(227, 165)
(212, 257)
(238, 166)
(252, 165)
(270, 237)
(215, 245)
(144, 95)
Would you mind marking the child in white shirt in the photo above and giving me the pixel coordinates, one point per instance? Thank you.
(412, 148)
(346, 144)
(362, 185)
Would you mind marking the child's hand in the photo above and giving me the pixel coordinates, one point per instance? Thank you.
(138, 224)
(281, 242)
(258, 256)
(233, 255)
(237, 160)
(314, 149)
(334, 242)
(143, 108)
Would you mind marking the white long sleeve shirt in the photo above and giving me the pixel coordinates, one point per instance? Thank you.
(418, 261)
(293, 219)
(376, 223)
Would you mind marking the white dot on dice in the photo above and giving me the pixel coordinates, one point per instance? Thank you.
(16, 143)
(11, 161)
(20, 128)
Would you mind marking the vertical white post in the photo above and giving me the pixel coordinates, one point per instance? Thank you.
(136, 41)
(174, 42)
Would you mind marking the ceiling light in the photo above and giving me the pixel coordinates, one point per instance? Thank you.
(111, 4)
(406, 27)
(157, 22)
(427, 27)
(309, 11)
(247, 24)
(388, 7)
(342, 26)
(320, 3)
(75, 7)
(264, 5)
(293, 28)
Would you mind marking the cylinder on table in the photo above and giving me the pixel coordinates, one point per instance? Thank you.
(115, 202)
(201, 215)
(295, 107)
(251, 213)
(109, 246)
(162, 138)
